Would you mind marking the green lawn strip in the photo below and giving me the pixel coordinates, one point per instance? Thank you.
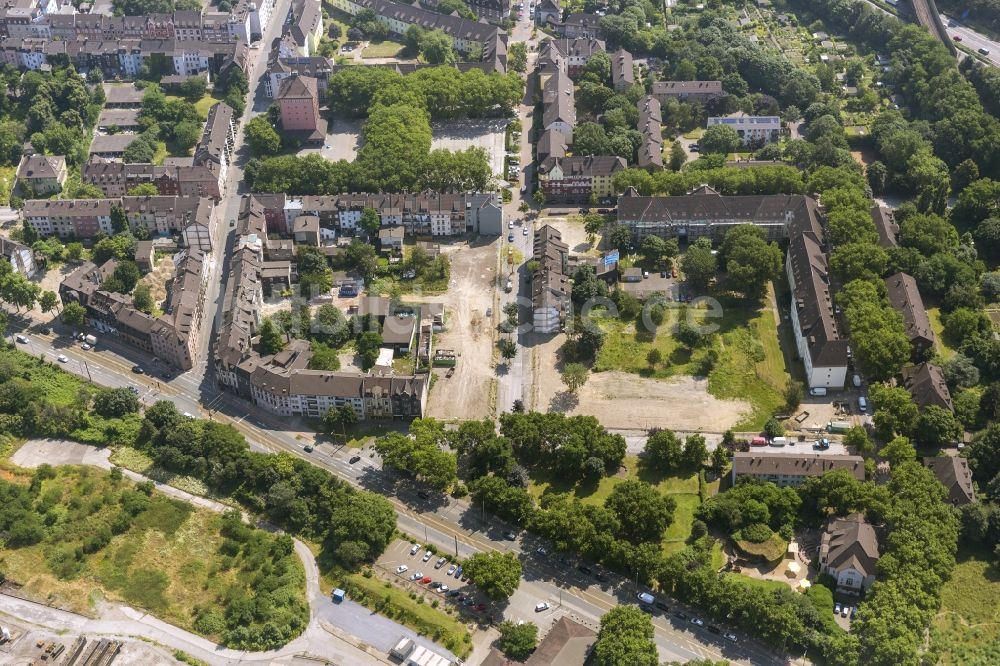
(762, 583)
(966, 631)
(139, 462)
(7, 177)
(396, 604)
(944, 350)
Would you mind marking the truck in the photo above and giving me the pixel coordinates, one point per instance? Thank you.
(838, 426)
(90, 340)
(509, 286)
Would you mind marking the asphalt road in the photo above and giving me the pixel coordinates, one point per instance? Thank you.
(973, 39)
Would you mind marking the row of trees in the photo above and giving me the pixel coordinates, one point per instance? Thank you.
(444, 92)
(726, 180)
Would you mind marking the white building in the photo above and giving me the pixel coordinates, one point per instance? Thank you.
(752, 129)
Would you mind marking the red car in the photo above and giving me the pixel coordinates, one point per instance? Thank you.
(425, 580)
(956, 38)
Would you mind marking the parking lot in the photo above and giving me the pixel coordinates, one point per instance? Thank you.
(428, 573)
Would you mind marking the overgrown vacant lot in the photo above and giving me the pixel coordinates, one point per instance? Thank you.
(743, 360)
(966, 631)
(73, 535)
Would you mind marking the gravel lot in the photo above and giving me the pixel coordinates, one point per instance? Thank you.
(467, 393)
(573, 233)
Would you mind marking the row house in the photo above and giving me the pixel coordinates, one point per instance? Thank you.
(116, 179)
(171, 336)
(791, 470)
(218, 140)
(703, 212)
(579, 178)
(550, 286)
(467, 36)
(576, 52)
(650, 126)
(688, 91)
(306, 28)
(752, 130)
(578, 24)
(68, 218)
(488, 11)
(163, 215)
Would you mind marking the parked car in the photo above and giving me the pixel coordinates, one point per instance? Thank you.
(541, 606)
(416, 576)
(542, 551)
(836, 608)
(402, 568)
(442, 588)
(510, 238)
(454, 593)
(646, 598)
(662, 606)
(983, 51)
(956, 38)
(427, 555)
(730, 636)
(698, 622)
(440, 563)
(86, 347)
(714, 629)
(307, 448)
(137, 369)
(45, 330)
(425, 580)
(435, 585)
(355, 459)
(62, 358)
(414, 549)
(22, 339)
(451, 570)
(510, 536)
(458, 572)
(584, 570)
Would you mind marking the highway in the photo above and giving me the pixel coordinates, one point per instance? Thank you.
(973, 40)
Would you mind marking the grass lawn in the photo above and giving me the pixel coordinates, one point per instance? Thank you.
(385, 49)
(943, 349)
(396, 604)
(762, 583)
(202, 105)
(967, 629)
(137, 461)
(683, 490)
(164, 555)
(7, 177)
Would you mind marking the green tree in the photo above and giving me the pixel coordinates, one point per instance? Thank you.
(518, 640)
(339, 418)
(508, 348)
(857, 438)
(517, 57)
(663, 450)
(262, 137)
(626, 638)
(620, 236)
(116, 402)
(695, 451)
(272, 340)
(74, 314)
(677, 156)
(936, 426)
(368, 345)
(643, 513)
(140, 190)
(720, 139)
(699, 264)
(436, 48)
(574, 375)
(898, 451)
(720, 459)
(48, 301)
(751, 262)
(370, 221)
(142, 299)
(186, 135)
(496, 574)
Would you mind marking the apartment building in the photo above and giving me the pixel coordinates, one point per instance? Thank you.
(622, 70)
(559, 104)
(550, 286)
(218, 140)
(190, 217)
(792, 469)
(703, 212)
(116, 179)
(904, 296)
(753, 130)
(579, 179)
(487, 11)
(306, 28)
(650, 126)
(279, 69)
(578, 24)
(172, 336)
(927, 386)
(430, 213)
(283, 384)
(954, 474)
(849, 552)
(576, 52)
(688, 91)
(467, 36)
(41, 175)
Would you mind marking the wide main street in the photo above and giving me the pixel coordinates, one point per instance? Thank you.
(450, 525)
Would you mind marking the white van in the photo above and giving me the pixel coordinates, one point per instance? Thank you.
(779, 441)
(863, 404)
(817, 392)
(646, 598)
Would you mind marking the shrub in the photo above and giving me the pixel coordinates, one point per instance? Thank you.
(755, 533)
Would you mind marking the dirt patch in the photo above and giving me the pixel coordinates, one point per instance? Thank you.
(34, 452)
(864, 157)
(573, 234)
(471, 290)
(622, 400)
(157, 280)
